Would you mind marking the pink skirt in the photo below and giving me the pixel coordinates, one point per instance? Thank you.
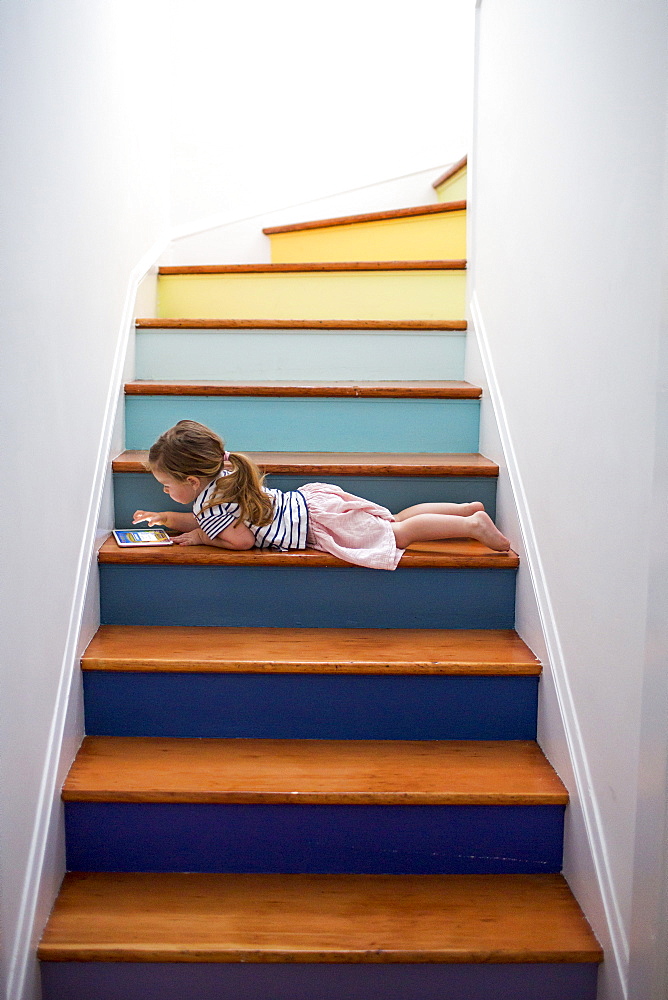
(349, 527)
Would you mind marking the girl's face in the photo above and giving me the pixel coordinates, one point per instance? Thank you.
(183, 491)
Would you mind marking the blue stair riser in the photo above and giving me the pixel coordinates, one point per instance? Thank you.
(311, 706)
(317, 981)
(140, 491)
(355, 839)
(298, 356)
(307, 596)
(269, 423)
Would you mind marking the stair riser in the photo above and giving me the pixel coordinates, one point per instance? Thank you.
(261, 423)
(279, 354)
(305, 596)
(310, 981)
(164, 837)
(356, 295)
(441, 236)
(454, 189)
(140, 491)
(310, 706)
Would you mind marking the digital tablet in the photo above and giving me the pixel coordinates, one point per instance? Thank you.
(145, 536)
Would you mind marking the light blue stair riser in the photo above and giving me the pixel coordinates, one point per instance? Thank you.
(296, 356)
(250, 423)
(310, 706)
(307, 596)
(140, 491)
(318, 981)
(319, 839)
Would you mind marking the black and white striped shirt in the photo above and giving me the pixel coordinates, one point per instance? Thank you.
(287, 530)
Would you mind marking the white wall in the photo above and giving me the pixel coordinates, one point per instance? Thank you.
(567, 171)
(84, 197)
(277, 104)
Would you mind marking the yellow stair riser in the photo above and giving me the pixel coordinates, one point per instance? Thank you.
(356, 295)
(426, 237)
(454, 189)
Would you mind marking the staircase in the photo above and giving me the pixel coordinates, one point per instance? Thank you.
(304, 779)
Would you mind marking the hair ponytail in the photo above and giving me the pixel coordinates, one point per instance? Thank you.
(191, 449)
(244, 486)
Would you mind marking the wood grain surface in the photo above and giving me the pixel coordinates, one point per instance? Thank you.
(351, 265)
(177, 917)
(150, 323)
(460, 553)
(393, 390)
(314, 772)
(350, 220)
(322, 463)
(309, 650)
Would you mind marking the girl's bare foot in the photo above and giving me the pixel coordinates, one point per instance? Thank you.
(488, 533)
(471, 508)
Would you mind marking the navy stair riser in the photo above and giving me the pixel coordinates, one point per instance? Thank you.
(289, 838)
(312, 981)
(138, 491)
(310, 706)
(307, 596)
(269, 423)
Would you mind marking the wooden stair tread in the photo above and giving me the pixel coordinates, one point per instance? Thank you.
(347, 463)
(460, 553)
(150, 323)
(350, 265)
(415, 389)
(450, 172)
(316, 918)
(316, 772)
(305, 650)
(350, 220)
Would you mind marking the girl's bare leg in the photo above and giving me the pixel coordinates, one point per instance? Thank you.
(456, 509)
(430, 527)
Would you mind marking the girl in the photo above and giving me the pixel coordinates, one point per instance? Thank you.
(232, 509)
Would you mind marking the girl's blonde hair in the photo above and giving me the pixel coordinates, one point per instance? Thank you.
(191, 449)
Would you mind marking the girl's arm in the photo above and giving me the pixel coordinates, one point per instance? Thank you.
(172, 519)
(236, 537)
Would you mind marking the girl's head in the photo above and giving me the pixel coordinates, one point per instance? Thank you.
(189, 456)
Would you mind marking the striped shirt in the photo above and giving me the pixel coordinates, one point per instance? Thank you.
(287, 530)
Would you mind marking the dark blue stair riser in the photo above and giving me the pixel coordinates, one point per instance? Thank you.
(311, 981)
(140, 491)
(269, 423)
(310, 706)
(304, 596)
(288, 838)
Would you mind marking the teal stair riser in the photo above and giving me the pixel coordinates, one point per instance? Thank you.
(140, 491)
(324, 839)
(278, 354)
(249, 423)
(310, 706)
(317, 981)
(304, 596)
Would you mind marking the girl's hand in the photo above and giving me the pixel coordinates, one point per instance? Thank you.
(153, 517)
(195, 537)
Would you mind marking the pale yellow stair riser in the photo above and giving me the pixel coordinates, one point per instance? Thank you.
(422, 237)
(454, 188)
(356, 295)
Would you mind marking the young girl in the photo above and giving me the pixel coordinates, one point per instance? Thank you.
(232, 509)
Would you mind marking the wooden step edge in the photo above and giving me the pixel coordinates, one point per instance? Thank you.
(193, 917)
(450, 554)
(299, 324)
(384, 265)
(351, 220)
(340, 464)
(313, 772)
(446, 389)
(185, 649)
(450, 172)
